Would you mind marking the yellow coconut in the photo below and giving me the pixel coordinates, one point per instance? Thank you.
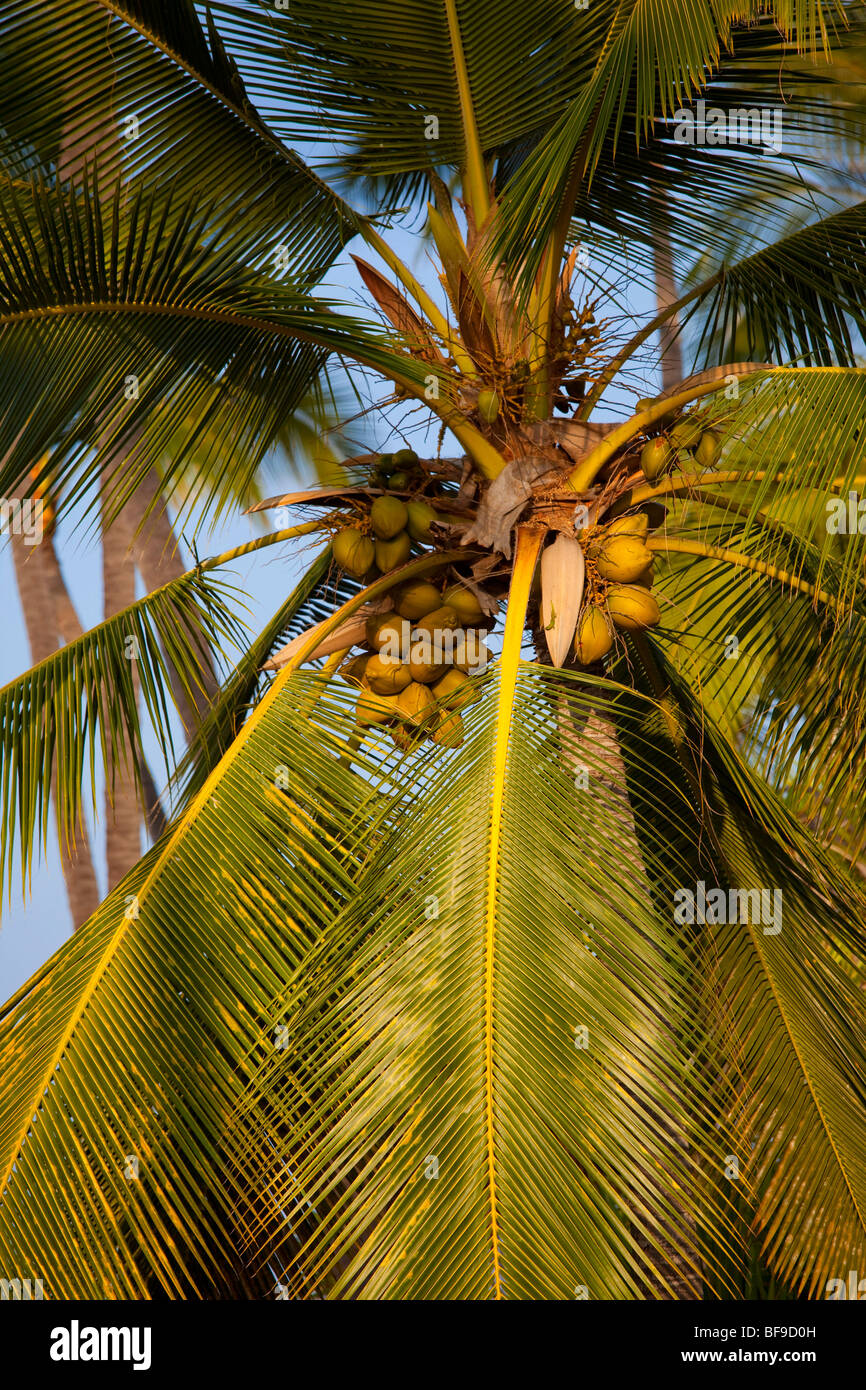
(593, 638)
(635, 525)
(354, 670)
(470, 654)
(623, 558)
(449, 731)
(465, 605)
(632, 607)
(390, 554)
(386, 676)
(423, 667)
(443, 619)
(353, 552)
(388, 516)
(417, 599)
(416, 703)
(455, 690)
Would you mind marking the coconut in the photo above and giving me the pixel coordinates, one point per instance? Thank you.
(388, 516)
(471, 655)
(353, 552)
(398, 482)
(385, 465)
(635, 525)
(442, 619)
(354, 670)
(449, 731)
(423, 668)
(421, 515)
(593, 638)
(455, 690)
(405, 458)
(465, 605)
(631, 607)
(386, 675)
(708, 448)
(655, 457)
(685, 433)
(417, 599)
(387, 630)
(488, 406)
(390, 554)
(623, 558)
(416, 703)
(375, 709)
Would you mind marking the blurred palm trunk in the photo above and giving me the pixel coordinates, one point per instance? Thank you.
(666, 293)
(44, 599)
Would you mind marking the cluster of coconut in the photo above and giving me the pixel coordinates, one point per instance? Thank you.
(681, 442)
(619, 576)
(416, 674)
(381, 543)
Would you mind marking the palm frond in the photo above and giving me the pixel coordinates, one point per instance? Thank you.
(121, 333)
(82, 701)
(112, 1114)
(430, 1147)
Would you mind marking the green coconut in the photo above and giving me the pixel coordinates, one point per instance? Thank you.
(685, 434)
(417, 599)
(421, 516)
(390, 554)
(708, 449)
(655, 458)
(353, 552)
(388, 516)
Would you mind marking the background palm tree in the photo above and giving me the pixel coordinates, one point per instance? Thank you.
(379, 1016)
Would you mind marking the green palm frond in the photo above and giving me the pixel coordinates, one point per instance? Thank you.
(367, 77)
(138, 89)
(789, 1021)
(617, 126)
(83, 700)
(439, 1106)
(95, 297)
(111, 1176)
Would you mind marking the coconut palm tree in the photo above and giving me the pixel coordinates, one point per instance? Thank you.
(453, 975)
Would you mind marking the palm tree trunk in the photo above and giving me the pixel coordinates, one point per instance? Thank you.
(666, 293)
(42, 593)
(156, 553)
(122, 811)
